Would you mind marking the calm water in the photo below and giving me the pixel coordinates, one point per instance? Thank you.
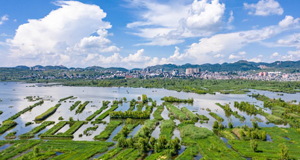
(13, 100)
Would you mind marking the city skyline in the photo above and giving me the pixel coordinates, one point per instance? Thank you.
(137, 34)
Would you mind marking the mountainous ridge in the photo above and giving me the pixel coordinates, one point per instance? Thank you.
(241, 65)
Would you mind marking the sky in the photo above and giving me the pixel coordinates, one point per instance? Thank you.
(141, 33)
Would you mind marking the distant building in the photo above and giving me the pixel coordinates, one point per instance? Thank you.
(175, 72)
(263, 74)
(190, 71)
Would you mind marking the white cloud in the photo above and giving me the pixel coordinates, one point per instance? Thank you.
(264, 8)
(256, 59)
(3, 19)
(219, 56)
(208, 49)
(168, 24)
(289, 21)
(72, 29)
(230, 20)
(274, 55)
(240, 55)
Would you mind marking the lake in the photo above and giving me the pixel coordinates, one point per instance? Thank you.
(13, 99)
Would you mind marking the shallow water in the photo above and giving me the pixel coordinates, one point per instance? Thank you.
(4, 147)
(13, 94)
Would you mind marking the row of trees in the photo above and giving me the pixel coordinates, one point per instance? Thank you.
(177, 100)
(248, 108)
(146, 142)
(130, 114)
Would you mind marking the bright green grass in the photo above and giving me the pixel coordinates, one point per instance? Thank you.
(167, 128)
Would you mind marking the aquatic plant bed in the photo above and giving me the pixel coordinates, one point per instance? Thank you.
(158, 111)
(86, 131)
(81, 107)
(227, 109)
(17, 148)
(63, 99)
(167, 128)
(177, 100)
(189, 153)
(7, 125)
(106, 113)
(81, 150)
(150, 124)
(25, 110)
(210, 146)
(11, 135)
(190, 114)
(74, 105)
(126, 129)
(36, 130)
(111, 153)
(54, 129)
(271, 150)
(218, 118)
(47, 114)
(130, 114)
(66, 135)
(202, 117)
(113, 124)
(177, 113)
(96, 113)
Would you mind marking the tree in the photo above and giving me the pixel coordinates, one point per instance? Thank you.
(144, 98)
(122, 142)
(152, 141)
(36, 151)
(142, 145)
(253, 145)
(284, 152)
(255, 125)
(230, 125)
(215, 125)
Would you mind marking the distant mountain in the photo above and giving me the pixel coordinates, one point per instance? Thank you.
(241, 65)
(237, 66)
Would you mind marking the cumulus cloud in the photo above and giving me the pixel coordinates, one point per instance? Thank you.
(74, 28)
(274, 55)
(240, 55)
(168, 24)
(207, 50)
(3, 19)
(264, 8)
(289, 21)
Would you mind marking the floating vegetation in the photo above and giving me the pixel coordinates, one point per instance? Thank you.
(47, 113)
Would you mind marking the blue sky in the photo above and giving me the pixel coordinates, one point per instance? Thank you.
(140, 33)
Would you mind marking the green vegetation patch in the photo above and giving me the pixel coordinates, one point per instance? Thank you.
(177, 113)
(177, 100)
(218, 118)
(63, 99)
(190, 114)
(36, 130)
(167, 128)
(7, 125)
(17, 148)
(89, 118)
(130, 114)
(25, 110)
(74, 105)
(112, 125)
(157, 113)
(47, 114)
(106, 113)
(81, 107)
